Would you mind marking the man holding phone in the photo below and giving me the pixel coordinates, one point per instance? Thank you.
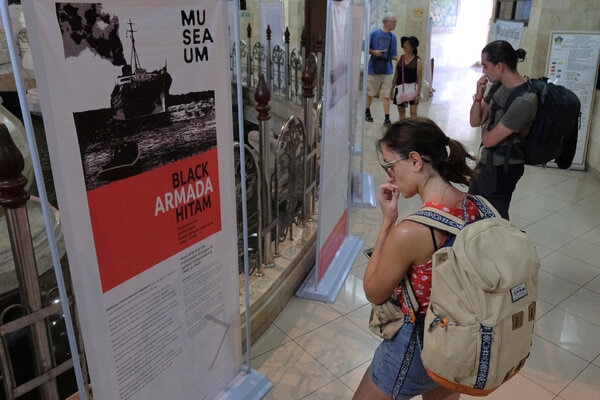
(382, 49)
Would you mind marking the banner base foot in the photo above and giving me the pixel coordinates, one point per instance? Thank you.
(328, 288)
(247, 386)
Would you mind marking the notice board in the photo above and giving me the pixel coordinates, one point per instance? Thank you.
(573, 63)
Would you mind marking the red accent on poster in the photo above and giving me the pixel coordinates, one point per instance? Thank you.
(140, 221)
(332, 244)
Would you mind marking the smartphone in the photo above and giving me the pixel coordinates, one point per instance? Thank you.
(368, 252)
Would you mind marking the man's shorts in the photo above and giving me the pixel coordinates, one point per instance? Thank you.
(379, 84)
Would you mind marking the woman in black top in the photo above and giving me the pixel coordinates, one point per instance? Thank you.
(413, 72)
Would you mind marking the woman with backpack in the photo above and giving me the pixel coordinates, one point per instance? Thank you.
(500, 164)
(419, 159)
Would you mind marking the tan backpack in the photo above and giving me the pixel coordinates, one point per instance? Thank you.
(479, 324)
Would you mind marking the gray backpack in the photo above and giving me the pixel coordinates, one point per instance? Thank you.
(479, 324)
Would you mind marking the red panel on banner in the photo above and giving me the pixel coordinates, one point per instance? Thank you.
(141, 221)
(332, 244)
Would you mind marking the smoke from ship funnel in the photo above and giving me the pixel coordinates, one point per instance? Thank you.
(85, 25)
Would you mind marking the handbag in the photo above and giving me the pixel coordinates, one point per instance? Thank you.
(386, 319)
(406, 91)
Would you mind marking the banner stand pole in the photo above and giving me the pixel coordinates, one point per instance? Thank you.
(363, 195)
(249, 384)
(35, 159)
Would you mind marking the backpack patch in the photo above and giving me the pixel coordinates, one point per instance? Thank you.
(479, 324)
(518, 292)
(553, 135)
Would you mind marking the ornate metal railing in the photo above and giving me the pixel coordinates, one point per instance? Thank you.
(287, 179)
(34, 350)
(281, 174)
(254, 185)
(282, 66)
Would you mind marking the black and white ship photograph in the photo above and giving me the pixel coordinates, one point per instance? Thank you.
(140, 115)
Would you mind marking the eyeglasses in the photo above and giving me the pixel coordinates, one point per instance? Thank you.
(387, 167)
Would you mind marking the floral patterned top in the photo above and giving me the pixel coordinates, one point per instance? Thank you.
(420, 275)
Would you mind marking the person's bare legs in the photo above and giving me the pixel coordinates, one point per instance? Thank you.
(440, 393)
(401, 112)
(413, 110)
(367, 390)
(386, 105)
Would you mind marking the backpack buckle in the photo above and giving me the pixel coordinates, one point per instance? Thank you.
(411, 316)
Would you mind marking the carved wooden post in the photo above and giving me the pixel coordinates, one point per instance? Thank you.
(269, 64)
(262, 97)
(249, 55)
(286, 36)
(13, 198)
(303, 38)
(310, 148)
(319, 67)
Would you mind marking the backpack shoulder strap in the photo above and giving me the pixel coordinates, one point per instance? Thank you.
(409, 294)
(527, 86)
(438, 219)
(444, 221)
(493, 89)
(486, 209)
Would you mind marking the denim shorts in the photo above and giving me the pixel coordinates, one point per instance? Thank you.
(394, 371)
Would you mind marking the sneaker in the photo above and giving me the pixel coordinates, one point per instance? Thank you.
(387, 123)
(368, 117)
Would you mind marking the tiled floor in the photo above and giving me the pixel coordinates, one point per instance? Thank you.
(320, 351)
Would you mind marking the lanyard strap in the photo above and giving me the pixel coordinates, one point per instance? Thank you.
(402, 59)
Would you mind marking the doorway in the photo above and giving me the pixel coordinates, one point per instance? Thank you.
(315, 13)
(460, 29)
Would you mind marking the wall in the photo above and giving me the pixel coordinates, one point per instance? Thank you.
(562, 15)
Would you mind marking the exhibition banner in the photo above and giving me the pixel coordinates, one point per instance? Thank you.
(336, 249)
(137, 112)
(335, 165)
